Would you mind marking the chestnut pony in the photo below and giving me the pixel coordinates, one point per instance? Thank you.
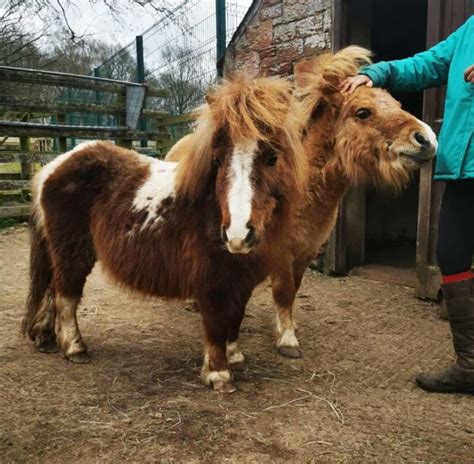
(209, 228)
(360, 139)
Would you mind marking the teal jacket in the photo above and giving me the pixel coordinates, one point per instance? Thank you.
(441, 64)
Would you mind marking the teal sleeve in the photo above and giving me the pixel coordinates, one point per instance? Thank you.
(422, 71)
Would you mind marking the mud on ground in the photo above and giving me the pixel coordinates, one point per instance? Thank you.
(349, 399)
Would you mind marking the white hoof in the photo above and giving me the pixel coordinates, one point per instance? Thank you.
(234, 355)
(287, 344)
(220, 381)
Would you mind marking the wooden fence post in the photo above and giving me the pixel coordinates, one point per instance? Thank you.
(62, 140)
(26, 165)
(122, 120)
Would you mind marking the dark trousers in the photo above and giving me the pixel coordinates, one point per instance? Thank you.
(456, 228)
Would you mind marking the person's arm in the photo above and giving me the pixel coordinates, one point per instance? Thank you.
(422, 71)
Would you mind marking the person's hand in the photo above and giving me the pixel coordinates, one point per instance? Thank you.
(351, 83)
(469, 74)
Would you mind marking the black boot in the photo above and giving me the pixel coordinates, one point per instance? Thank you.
(459, 377)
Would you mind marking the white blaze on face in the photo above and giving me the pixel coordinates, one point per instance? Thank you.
(240, 193)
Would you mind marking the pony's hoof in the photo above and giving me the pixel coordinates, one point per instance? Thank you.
(236, 359)
(192, 307)
(224, 386)
(79, 358)
(290, 351)
(219, 381)
(48, 347)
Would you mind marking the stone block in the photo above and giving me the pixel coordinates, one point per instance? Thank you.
(317, 43)
(309, 26)
(318, 5)
(327, 20)
(271, 12)
(296, 11)
(284, 32)
(289, 51)
(261, 36)
(249, 63)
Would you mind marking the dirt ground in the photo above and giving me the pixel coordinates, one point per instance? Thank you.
(349, 399)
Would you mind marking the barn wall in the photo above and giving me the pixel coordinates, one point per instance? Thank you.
(279, 33)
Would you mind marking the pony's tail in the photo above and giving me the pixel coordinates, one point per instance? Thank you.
(38, 322)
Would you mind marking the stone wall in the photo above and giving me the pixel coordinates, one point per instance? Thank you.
(279, 33)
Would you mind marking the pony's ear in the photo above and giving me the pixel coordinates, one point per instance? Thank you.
(303, 69)
(332, 82)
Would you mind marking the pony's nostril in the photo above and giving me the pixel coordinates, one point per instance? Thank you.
(224, 234)
(422, 141)
(250, 237)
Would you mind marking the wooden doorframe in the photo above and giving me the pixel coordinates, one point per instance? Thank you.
(346, 249)
(335, 255)
(429, 200)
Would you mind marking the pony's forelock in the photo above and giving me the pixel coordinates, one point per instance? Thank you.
(248, 110)
(322, 76)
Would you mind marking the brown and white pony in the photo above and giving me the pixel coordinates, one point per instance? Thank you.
(209, 228)
(363, 138)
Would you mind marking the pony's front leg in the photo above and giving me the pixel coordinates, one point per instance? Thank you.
(284, 292)
(215, 370)
(67, 331)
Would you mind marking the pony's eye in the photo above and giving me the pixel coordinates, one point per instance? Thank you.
(269, 152)
(363, 113)
(272, 159)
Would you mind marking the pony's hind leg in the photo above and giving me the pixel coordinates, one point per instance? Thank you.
(72, 266)
(68, 335)
(43, 329)
(38, 322)
(284, 293)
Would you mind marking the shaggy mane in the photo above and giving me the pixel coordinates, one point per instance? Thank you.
(247, 110)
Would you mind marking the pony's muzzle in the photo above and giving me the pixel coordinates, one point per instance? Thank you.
(239, 245)
(425, 140)
(421, 148)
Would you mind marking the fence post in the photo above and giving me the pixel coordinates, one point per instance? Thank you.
(122, 120)
(220, 36)
(26, 166)
(141, 79)
(61, 118)
(140, 60)
(97, 97)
